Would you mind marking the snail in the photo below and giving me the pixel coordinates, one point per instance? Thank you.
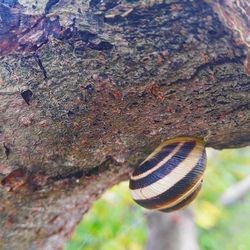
(171, 176)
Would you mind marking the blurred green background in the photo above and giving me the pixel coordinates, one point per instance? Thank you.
(116, 222)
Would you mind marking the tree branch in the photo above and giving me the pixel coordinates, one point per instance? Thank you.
(89, 88)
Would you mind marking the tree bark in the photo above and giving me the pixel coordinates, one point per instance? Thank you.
(175, 231)
(89, 88)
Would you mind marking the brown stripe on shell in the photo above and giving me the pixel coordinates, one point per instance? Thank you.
(184, 202)
(170, 181)
(156, 161)
(184, 187)
(179, 189)
(166, 168)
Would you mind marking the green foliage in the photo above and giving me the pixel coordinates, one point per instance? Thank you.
(221, 227)
(115, 222)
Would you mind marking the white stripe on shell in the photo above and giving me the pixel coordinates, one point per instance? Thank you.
(171, 179)
(137, 177)
(184, 196)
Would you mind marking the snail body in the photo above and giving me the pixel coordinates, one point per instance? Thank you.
(171, 176)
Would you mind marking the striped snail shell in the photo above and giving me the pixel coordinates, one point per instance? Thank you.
(171, 176)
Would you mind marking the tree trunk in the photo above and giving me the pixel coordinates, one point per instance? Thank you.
(174, 231)
(89, 88)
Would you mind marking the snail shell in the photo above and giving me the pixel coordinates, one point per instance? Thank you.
(171, 176)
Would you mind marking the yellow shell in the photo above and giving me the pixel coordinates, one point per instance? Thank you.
(171, 176)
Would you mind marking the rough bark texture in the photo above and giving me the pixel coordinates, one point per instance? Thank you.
(89, 88)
